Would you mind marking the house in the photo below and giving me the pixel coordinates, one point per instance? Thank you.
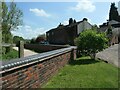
(65, 34)
(115, 26)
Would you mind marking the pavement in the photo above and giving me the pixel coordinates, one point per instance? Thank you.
(110, 55)
(26, 52)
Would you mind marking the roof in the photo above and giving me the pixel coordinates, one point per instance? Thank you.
(103, 29)
(113, 22)
(66, 26)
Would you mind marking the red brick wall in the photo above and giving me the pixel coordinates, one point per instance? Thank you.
(37, 74)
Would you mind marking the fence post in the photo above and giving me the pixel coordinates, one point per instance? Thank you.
(21, 49)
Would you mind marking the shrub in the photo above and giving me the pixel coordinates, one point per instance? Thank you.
(90, 42)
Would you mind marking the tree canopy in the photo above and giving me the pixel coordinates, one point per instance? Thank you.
(90, 42)
(113, 14)
(16, 39)
(11, 19)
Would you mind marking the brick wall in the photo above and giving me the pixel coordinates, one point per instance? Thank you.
(37, 70)
(43, 48)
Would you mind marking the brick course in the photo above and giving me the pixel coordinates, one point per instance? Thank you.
(37, 74)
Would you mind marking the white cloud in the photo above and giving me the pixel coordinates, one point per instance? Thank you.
(28, 32)
(84, 5)
(39, 12)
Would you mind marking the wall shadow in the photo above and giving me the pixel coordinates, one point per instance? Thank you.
(83, 62)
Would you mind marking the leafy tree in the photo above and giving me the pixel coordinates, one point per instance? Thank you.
(11, 19)
(95, 27)
(113, 14)
(90, 42)
(41, 38)
(16, 39)
(32, 41)
(109, 34)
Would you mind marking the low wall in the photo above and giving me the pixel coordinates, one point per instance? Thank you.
(43, 48)
(36, 70)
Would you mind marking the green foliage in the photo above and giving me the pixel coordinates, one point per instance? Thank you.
(32, 41)
(85, 73)
(10, 55)
(11, 19)
(113, 14)
(16, 39)
(90, 42)
(109, 31)
(95, 27)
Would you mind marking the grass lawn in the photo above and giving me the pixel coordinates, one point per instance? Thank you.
(11, 55)
(85, 73)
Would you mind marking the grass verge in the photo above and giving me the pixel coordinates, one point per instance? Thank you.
(11, 55)
(85, 73)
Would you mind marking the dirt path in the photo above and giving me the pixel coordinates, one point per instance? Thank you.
(110, 55)
(26, 52)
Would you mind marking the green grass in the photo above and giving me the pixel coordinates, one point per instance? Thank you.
(11, 55)
(85, 73)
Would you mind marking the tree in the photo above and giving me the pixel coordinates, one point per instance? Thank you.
(32, 41)
(95, 27)
(113, 14)
(41, 38)
(90, 42)
(16, 39)
(11, 19)
(109, 34)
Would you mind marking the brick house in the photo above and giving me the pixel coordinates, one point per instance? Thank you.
(65, 34)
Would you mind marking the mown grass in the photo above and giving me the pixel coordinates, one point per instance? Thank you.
(85, 73)
(11, 55)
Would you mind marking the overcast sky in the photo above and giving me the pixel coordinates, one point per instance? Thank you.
(40, 17)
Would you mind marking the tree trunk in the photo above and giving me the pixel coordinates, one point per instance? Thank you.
(93, 55)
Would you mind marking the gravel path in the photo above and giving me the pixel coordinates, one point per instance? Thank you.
(110, 55)
(26, 52)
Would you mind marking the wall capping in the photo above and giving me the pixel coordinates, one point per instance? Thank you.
(25, 61)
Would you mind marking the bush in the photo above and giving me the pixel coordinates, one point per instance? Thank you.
(10, 55)
(90, 42)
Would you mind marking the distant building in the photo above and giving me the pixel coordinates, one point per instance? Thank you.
(115, 26)
(66, 34)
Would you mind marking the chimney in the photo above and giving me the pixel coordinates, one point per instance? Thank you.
(85, 19)
(70, 21)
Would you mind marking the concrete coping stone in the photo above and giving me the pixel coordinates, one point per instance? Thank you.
(20, 62)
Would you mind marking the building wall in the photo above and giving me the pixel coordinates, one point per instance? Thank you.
(62, 36)
(58, 36)
(35, 70)
(83, 26)
(115, 36)
(66, 34)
